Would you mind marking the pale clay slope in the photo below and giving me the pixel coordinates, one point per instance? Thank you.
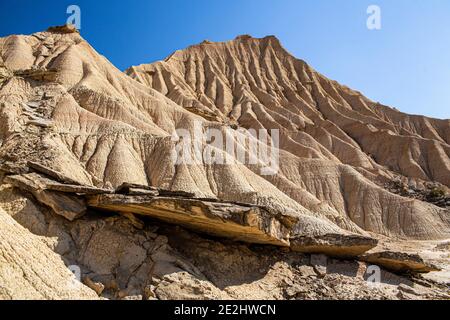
(64, 105)
(29, 269)
(100, 119)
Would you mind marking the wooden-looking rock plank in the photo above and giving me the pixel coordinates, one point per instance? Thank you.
(400, 262)
(334, 245)
(51, 173)
(35, 181)
(244, 223)
(136, 189)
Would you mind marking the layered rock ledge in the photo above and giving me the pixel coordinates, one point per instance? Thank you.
(400, 261)
(233, 220)
(335, 245)
(240, 222)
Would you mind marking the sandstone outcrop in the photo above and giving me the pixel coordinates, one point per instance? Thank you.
(238, 221)
(400, 261)
(334, 245)
(327, 166)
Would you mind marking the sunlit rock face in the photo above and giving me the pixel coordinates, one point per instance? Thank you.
(81, 141)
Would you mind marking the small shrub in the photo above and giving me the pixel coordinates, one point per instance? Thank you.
(436, 193)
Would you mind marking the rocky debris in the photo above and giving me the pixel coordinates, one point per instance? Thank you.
(319, 264)
(138, 297)
(350, 268)
(431, 192)
(405, 288)
(184, 286)
(306, 271)
(334, 245)
(168, 262)
(267, 273)
(149, 292)
(8, 167)
(32, 104)
(399, 261)
(98, 287)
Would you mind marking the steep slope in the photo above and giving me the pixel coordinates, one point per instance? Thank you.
(29, 269)
(329, 133)
(255, 82)
(78, 137)
(67, 107)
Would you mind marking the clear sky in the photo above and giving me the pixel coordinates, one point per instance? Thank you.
(406, 64)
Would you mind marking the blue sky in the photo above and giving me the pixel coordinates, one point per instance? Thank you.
(406, 64)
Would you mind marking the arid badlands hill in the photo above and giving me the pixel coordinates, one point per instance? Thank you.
(348, 173)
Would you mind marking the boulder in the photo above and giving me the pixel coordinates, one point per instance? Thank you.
(400, 261)
(335, 245)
